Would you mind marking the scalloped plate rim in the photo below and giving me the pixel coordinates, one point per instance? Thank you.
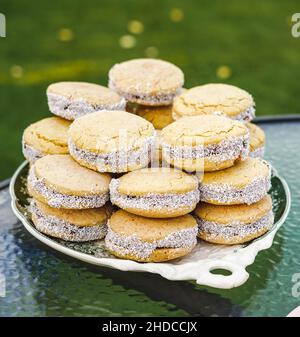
(167, 269)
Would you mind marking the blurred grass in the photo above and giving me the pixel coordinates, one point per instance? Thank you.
(252, 38)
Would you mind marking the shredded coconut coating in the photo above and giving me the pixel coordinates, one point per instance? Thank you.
(227, 149)
(123, 245)
(30, 153)
(226, 194)
(158, 99)
(59, 200)
(153, 200)
(72, 109)
(64, 230)
(118, 161)
(227, 232)
(258, 153)
(245, 116)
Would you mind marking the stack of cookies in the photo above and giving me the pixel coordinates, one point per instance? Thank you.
(149, 94)
(93, 174)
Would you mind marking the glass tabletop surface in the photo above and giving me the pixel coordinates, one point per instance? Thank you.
(38, 281)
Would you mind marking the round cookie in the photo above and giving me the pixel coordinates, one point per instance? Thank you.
(142, 239)
(257, 141)
(208, 143)
(47, 136)
(146, 81)
(245, 183)
(70, 224)
(111, 141)
(234, 224)
(155, 192)
(58, 181)
(71, 100)
(215, 99)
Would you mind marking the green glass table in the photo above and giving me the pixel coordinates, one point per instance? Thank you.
(42, 282)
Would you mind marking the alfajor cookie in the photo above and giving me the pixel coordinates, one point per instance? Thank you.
(257, 141)
(244, 183)
(47, 136)
(70, 224)
(142, 239)
(160, 192)
(146, 81)
(71, 100)
(208, 143)
(60, 182)
(111, 141)
(234, 224)
(215, 99)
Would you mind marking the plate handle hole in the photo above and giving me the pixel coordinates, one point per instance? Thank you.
(221, 271)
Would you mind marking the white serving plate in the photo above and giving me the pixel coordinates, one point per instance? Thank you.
(197, 266)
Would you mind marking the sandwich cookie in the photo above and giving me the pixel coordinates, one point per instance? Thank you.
(60, 182)
(70, 224)
(155, 192)
(245, 183)
(234, 224)
(71, 100)
(47, 136)
(215, 99)
(257, 141)
(146, 81)
(111, 141)
(208, 143)
(142, 239)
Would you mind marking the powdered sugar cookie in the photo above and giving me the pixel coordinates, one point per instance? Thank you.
(155, 192)
(146, 81)
(204, 143)
(69, 224)
(71, 100)
(60, 182)
(142, 239)
(245, 183)
(47, 136)
(215, 99)
(234, 224)
(111, 141)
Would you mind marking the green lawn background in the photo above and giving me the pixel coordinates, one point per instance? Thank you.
(251, 38)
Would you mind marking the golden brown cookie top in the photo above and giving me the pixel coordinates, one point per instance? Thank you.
(146, 76)
(49, 135)
(64, 175)
(240, 175)
(212, 98)
(80, 217)
(159, 116)
(148, 229)
(160, 180)
(106, 131)
(257, 136)
(202, 130)
(234, 214)
(94, 94)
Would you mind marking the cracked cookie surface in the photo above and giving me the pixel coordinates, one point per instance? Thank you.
(214, 99)
(146, 81)
(72, 100)
(47, 136)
